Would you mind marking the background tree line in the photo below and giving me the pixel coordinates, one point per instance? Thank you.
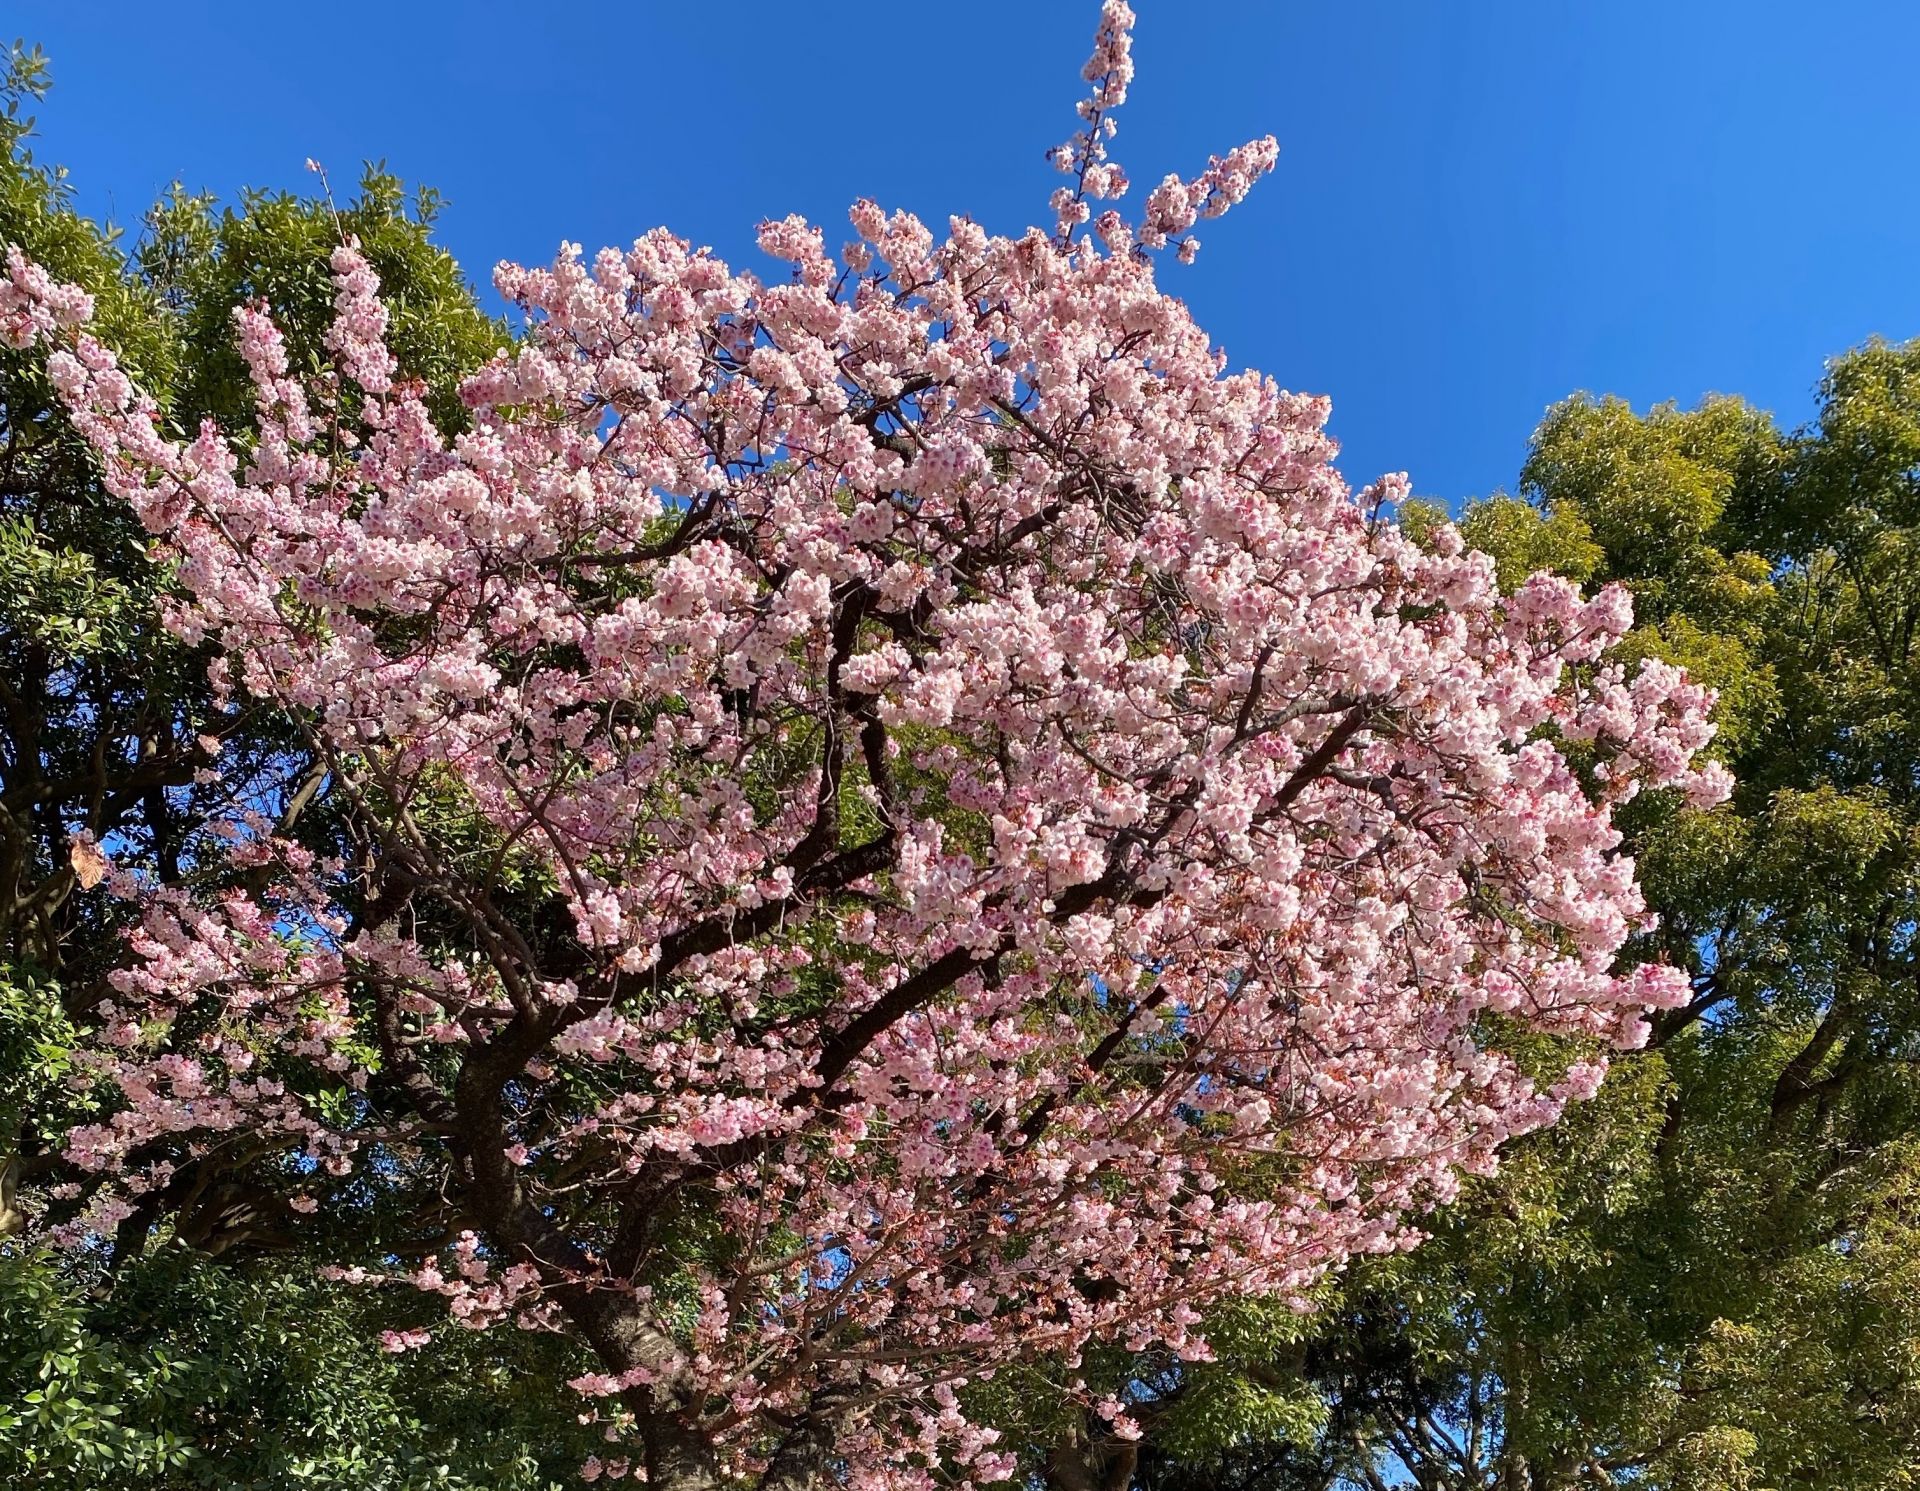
(1706, 1278)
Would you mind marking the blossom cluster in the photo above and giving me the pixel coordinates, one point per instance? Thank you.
(1041, 854)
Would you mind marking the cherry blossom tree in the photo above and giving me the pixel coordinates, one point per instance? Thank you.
(882, 822)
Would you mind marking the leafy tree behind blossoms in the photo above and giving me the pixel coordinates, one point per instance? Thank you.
(879, 828)
(148, 1364)
(1706, 1278)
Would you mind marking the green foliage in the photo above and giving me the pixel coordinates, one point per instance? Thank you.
(1651, 491)
(57, 599)
(1237, 1399)
(274, 246)
(36, 1044)
(190, 1375)
(1525, 540)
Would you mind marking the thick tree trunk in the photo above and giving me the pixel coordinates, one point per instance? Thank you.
(681, 1465)
(1516, 1474)
(1092, 1465)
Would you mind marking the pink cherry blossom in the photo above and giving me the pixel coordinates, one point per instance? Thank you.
(1041, 853)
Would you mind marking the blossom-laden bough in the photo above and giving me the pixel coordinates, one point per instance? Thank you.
(882, 823)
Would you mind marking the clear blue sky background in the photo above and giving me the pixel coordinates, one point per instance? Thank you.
(1481, 205)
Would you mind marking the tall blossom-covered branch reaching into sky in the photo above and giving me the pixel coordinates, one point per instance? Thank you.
(1035, 855)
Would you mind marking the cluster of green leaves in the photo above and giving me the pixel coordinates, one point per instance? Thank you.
(187, 1374)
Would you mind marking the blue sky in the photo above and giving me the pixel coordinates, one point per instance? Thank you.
(1479, 206)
